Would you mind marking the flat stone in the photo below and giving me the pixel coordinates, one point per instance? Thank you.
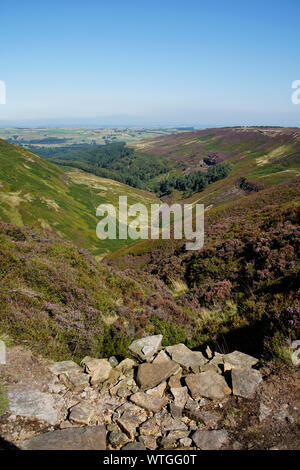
(161, 357)
(175, 381)
(238, 360)
(188, 359)
(83, 438)
(82, 413)
(175, 411)
(32, 403)
(129, 423)
(169, 441)
(144, 349)
(158, 391)
(75, 380)
(171, 424)
(62, 367)
(148, 402)
(150, 375)
(207, 384)
(245, 382)
(134, 446)
(99, 369)
(210, 440)
(117, 439)
(180, 396)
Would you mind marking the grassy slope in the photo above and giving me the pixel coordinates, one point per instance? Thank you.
(36, 192)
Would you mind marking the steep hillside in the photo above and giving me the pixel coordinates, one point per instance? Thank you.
(33, 191)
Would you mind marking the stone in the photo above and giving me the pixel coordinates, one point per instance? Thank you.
(149, 442)
(32, 403)
(134, 446)
(185, 442)
(129, 423)
(185, 357)
(99, 369)
(82, 413)
(113, 361)
(171, 424)
(295, 357)
(208, 352)
(264, 412)
(126, 365)
(245, 382)
(175, 411)
(210, 440)
(75, 380)
(158, 391)
(83, 438)
(175, 381)
(148, 402)
(295, 344)
(144, 349)
(62, 367)
(150, 375)
(208, 418)
(238, 360)
(161, 357)
(117, 439)
(169, 441)
(191, 405)
(180, 396)
(149, 428)
(207, 384)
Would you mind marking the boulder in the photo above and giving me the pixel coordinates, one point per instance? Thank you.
(245, 382)
(148, 402)
(210, 440)
(207, 384)
(32, 403)
(150, 375)
(238, 360)
(188, 359)
(144, 349)
(85, 438)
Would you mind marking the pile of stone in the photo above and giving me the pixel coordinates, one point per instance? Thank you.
(161, 398)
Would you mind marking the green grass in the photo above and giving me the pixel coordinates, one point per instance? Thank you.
(3, 400)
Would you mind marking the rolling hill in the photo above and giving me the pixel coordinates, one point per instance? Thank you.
(34, 191)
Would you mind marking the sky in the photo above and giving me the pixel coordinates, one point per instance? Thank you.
(150, 63)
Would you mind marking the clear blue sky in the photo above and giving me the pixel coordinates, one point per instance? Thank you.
(178, 62)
